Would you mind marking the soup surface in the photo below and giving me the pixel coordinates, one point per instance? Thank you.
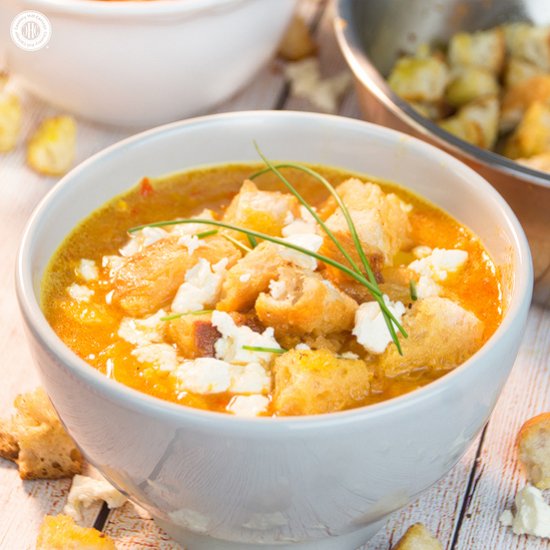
(209, 317)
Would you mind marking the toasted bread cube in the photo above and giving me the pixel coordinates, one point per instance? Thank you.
(302, 302)
(10, 121)
(534, 450)
(518, 71)
(297, 42)
(537, 162)
(51, 150)
(381, 219)
(317, 381)
(36, 440)
(470, 84)
(530, 43)
(194, 335)
(483, 49)
(419, 78)
(257, 210)
(150, 279)
(532, 136)
(432, 111)
(417, 537)
(518, 99)
(62, 533)
(476, 122)
(442, 335)
(250, 276)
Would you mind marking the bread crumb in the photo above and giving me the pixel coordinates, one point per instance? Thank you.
(36, 441)
(297, 42)
(61, 533)
(417, 537)
(534, 450)
(10, 120)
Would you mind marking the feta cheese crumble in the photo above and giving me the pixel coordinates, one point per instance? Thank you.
(370, 328)
(192, 242)
(201, 287)
(87, 269)
(161, 356)
(304, 224)
(141, 239)
(248, 405)
(113, 263)
(532, 515)
(230, 346)
(245, 277)
(86, 490)
(142, 331)
(80, 293)
(309, 241)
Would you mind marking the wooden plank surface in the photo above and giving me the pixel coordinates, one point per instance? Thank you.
(462, 509)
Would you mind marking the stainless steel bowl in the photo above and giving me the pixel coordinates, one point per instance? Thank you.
(373, 33)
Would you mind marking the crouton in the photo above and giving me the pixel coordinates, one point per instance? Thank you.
(518, 99)
(483, 49)
(470, 84)
(10, 121)
(381, 219)
(62, 533)
(250, 276)
(51, 149)
(432, 111)
(150, 278)
(419, 78)
(302, 302)
(417, 537)
(537, 162)
(442, 335)
(534, 450)
(518, 71)
(36, 440)
(297, 42)
(317, 381)
(475, 122)
(529, 43)
(263, 211)
(532, 136)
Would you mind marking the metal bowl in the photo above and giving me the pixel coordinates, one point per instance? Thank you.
(373, 34)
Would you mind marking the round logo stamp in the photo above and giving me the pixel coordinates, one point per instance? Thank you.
(30, 30)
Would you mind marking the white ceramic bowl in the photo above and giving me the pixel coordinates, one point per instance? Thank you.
(322, 482)
(145, 63)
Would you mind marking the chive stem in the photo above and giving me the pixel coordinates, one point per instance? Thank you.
(181, 314)
(265, 350)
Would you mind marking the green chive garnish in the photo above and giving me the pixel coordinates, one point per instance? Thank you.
(265, 350)
(252, 240)
(206, 234)
(412, 289)
(178, 315)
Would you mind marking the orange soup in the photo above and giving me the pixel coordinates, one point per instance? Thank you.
(251, 302)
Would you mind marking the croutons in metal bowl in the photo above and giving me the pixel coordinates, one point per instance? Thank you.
(323, 481)
(373, 35)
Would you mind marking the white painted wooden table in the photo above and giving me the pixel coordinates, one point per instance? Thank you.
(462, 509)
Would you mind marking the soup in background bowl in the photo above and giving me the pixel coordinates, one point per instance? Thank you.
(234, 482)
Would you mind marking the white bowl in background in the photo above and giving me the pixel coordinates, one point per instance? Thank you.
(319, 482)
(145, 63)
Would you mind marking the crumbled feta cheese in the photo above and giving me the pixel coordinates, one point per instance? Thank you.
(142, 238)
(248, 405)
(113, 263)
(305, 224)
(532, 515)
(230, 346)
(80, 293)
(277, 289)
(349, 355)
(161, 356)
(109, 297)
(439, 263)
(204, 375)
(192, 242)
(201, 287)
(245, 277)
(426, 287)
(370, 328)
(301, 346)
(251, 378)
(421, 251)
(109, 368)
(309, 241)
(193, 228)
(86, 490)
(289, 218)
(87, 269)
(142, 331)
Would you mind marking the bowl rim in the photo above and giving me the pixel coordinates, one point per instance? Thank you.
(132, 8)
(370, 77)
(136, 400)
